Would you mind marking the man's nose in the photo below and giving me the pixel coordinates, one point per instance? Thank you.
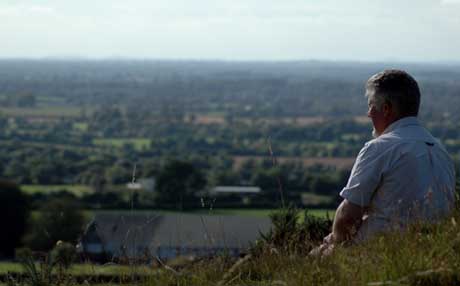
(369, 112)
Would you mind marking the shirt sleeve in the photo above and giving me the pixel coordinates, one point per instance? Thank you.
(365, 176)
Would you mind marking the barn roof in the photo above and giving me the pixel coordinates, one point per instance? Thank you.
(134, 233)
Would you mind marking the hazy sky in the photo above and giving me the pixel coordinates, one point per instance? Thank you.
(366, 30)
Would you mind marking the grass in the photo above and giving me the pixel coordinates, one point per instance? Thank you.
(137, 143)
(84, 268)
(94, 269)
(425, 255)
(6, 267)
(77, 190)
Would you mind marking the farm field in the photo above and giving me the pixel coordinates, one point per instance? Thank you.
(77, 190)
(71, 147)
(340, 163)
(301, 121)
(42, 112)
(137, 143)
(81, 126)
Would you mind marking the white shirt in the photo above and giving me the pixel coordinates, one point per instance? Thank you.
(403, 176)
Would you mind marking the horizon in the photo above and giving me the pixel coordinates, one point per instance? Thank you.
(217, 60)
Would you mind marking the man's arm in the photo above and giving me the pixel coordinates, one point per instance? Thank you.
(348, 219)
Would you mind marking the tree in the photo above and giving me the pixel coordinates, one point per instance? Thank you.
(13, 217)
(118, 174)
(177, 184)
(59, 219)
(324, 185)
(225, 178)
(3, 122)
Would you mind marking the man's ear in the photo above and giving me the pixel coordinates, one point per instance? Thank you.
(387, 109)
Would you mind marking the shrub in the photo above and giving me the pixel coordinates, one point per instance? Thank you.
(45, 269)
(290, 235)
(13, 216)
(58, 219)
(64, 254)
(36, 274)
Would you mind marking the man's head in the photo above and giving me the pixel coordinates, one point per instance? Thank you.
(392, 95)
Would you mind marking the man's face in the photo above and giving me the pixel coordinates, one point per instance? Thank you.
(377, 116)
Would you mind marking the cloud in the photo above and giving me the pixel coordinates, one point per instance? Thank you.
(25, 9)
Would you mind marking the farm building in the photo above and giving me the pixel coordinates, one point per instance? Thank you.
(115, 236)
(242, 194)
(235, 190)
(147, 184)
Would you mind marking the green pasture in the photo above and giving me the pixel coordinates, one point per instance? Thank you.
(351, 136)
(51, 99)
(311, 199)
(80, 126)
(45, 111)
(77, 190)
(6, 267)
(53, 145)
(137, 143)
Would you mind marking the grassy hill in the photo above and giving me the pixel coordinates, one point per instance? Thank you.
(422, 255)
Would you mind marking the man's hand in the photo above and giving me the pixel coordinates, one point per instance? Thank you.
(322, 250)
(329, 239)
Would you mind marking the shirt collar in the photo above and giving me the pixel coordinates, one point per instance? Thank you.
(403, 122)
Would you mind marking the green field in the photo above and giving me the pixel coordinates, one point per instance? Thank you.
(81, 126)
(6, 267)
(77, 190)
(47, 111)
(137, 143)
(310, 199)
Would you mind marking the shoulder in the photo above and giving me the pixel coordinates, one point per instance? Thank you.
(381, 151)
(370, 152)
(379, 145)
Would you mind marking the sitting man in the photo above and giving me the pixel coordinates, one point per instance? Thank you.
(402, 176)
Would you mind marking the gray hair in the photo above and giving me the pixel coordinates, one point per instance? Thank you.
(397, 88)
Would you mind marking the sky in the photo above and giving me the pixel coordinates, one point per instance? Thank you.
(358, 30)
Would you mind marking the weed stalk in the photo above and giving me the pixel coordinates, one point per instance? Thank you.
(274, 162)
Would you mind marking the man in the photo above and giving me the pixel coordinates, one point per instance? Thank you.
(402, 176)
